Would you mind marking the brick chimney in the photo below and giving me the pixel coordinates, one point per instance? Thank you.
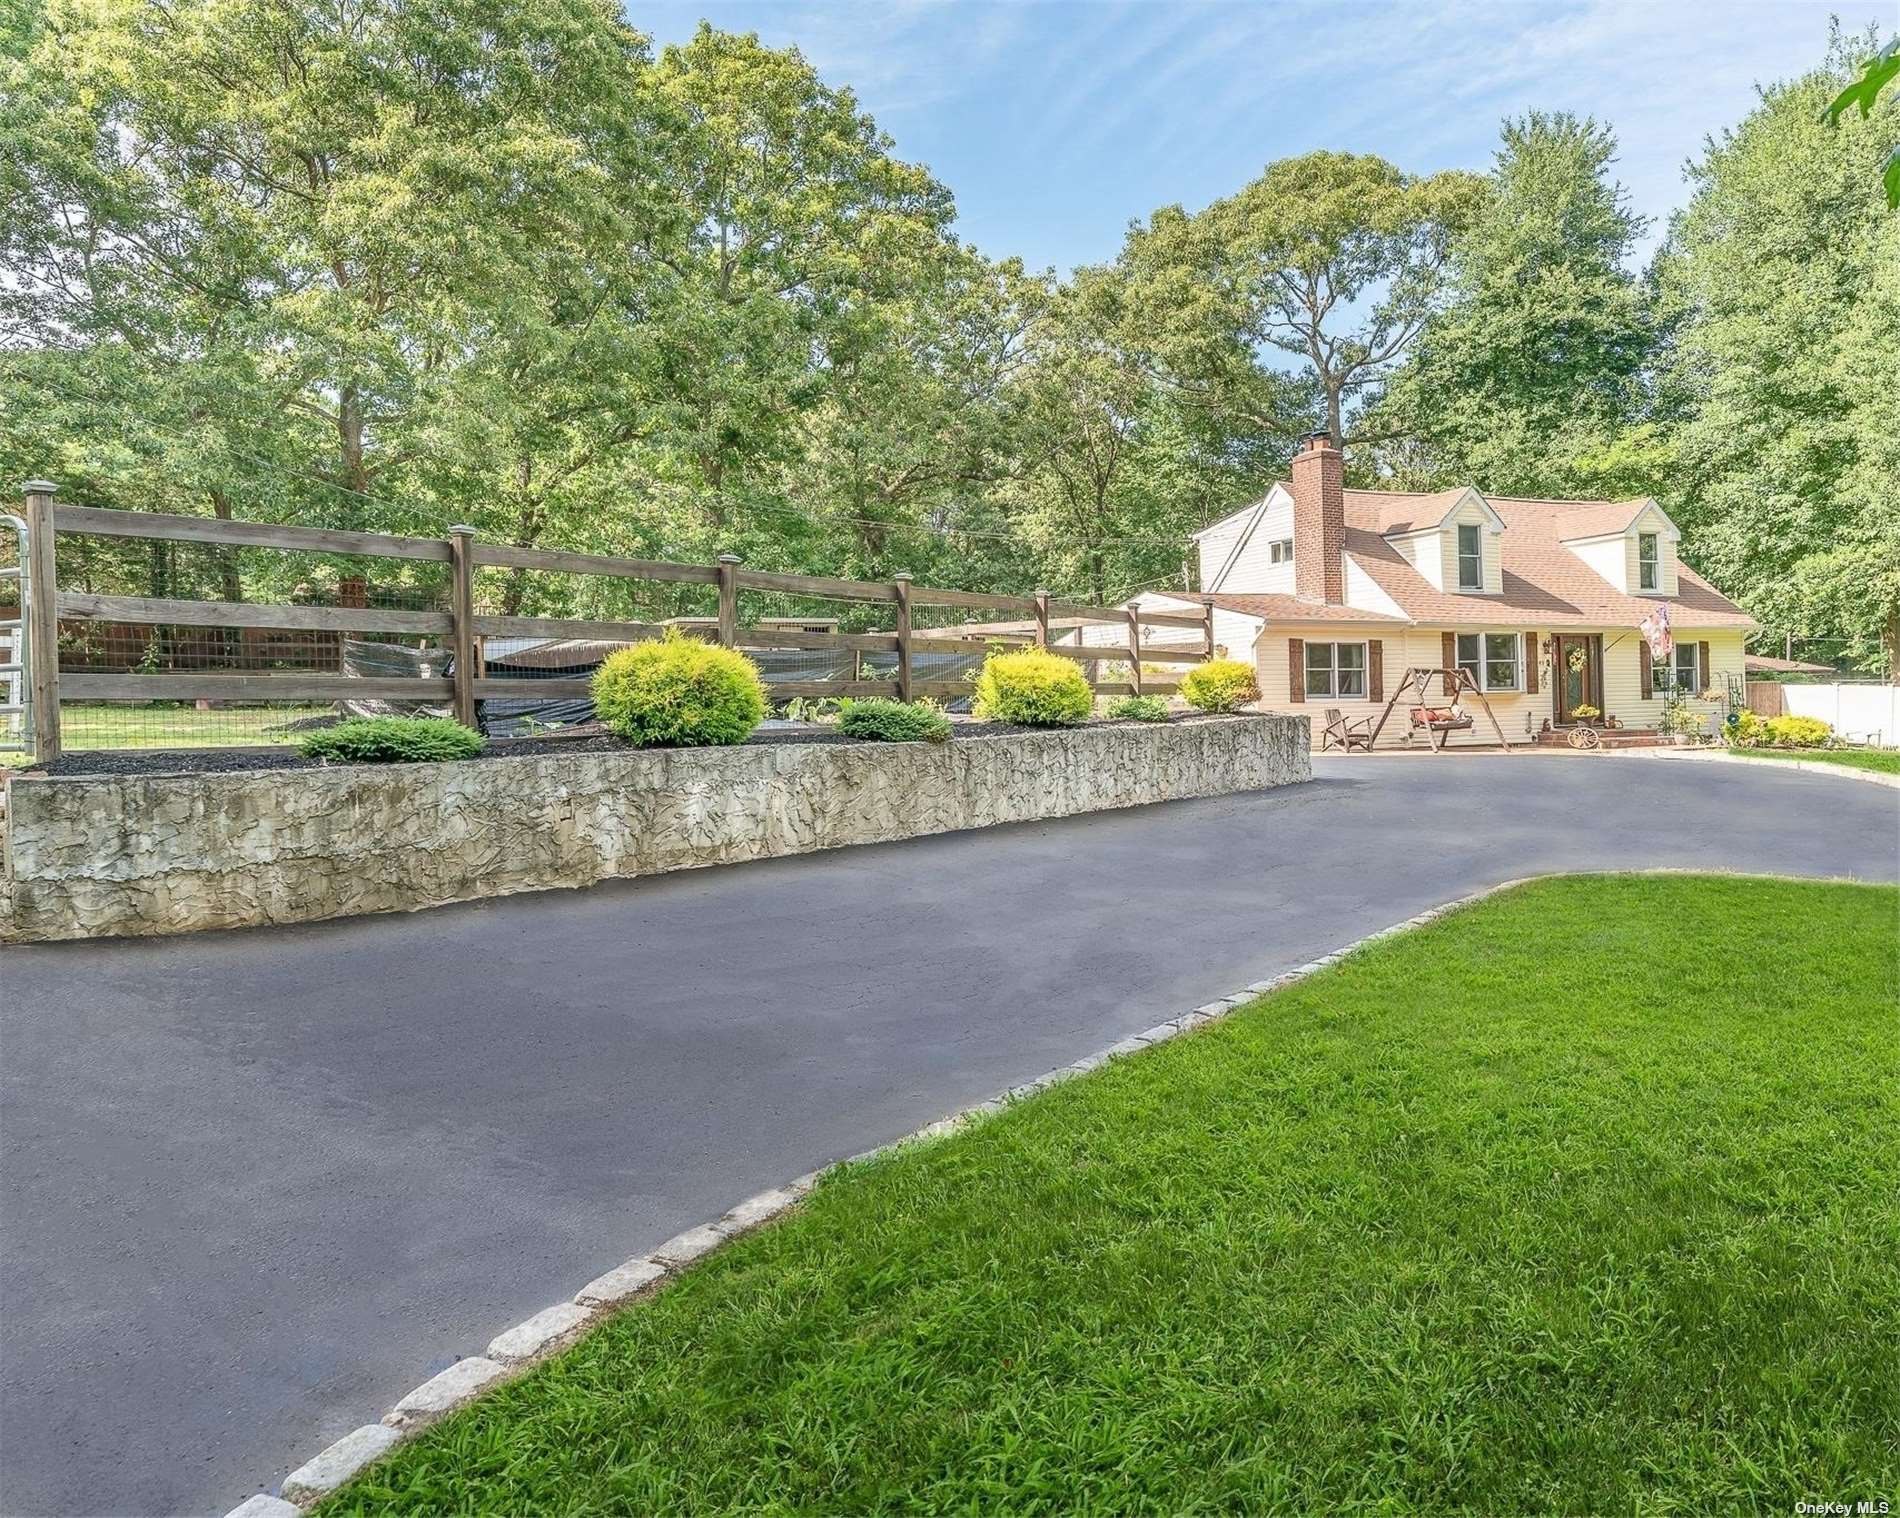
(1319, 520)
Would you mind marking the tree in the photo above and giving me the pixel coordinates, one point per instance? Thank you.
(356, 263)
(1333, 259)
(1531, 377)
(1781, 281)
(1877, 73)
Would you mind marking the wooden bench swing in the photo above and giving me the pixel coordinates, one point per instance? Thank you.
(1438, 723)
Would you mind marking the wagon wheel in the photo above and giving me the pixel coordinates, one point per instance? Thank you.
(1585, 738)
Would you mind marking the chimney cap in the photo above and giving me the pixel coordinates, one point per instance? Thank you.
(1320, 439)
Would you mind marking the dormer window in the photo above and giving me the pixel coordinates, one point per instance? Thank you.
(1470, 556)
(1648, 561)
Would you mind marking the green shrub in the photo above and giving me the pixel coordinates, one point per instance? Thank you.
(1033, 688)
(391, 740)
(1746, 729)
(882, 720)
(679, 692)
(1220, 685)
(1796, 732)
(1139, 709)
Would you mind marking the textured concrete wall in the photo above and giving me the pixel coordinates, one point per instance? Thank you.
(169, 854)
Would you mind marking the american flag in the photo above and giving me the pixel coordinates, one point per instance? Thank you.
(1655, 627)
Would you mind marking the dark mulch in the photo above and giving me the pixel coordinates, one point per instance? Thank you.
(587, 740)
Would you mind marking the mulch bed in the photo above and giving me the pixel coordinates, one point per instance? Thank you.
(581, 740)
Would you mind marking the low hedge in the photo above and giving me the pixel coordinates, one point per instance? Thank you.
(1220, 685)
(1796, 732)
(679, 692)
(1033, 688)
(879, 719)
(1139, 709)
(391, 740)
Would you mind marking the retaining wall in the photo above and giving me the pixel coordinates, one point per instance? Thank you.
(145, 854)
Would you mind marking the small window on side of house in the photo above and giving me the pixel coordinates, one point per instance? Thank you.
(1280, 551)
(1336, 669)
(1469, 659)
(1679, 672)
(1493, 660)
(1648, 561)
(1470, 556)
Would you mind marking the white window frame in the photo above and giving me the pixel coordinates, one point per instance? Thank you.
(1332, 692)
(1474, 528)
(1478, 666)
(1280, 551)
(1649, 570)
(1666, 675)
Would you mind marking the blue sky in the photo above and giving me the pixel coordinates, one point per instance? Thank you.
(1056, 122)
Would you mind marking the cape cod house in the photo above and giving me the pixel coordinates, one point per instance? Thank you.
(1334, 593)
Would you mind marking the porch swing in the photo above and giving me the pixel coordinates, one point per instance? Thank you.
(1438, 723)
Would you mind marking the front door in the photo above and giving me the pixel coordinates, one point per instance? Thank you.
(1577, 676)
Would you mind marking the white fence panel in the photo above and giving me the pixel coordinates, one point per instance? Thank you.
(1864, 713)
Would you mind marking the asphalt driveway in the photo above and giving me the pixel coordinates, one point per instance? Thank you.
(255, 1185)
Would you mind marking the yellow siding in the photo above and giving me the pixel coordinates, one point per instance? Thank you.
(1623, 673)
(1520, 715)
(1650, 521)
(1490, 547)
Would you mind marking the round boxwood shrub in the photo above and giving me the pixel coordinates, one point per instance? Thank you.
(1220, 685)
(1033, 688)
(1139, 709)
(391, 740)
(882, 720)
(679, 692)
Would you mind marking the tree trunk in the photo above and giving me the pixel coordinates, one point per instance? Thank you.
(349, 430)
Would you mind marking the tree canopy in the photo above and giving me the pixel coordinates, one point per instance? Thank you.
(501, 262)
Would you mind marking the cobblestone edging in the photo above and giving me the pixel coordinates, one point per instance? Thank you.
(516, 1350)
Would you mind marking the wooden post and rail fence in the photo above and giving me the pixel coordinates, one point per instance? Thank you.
(462, 628)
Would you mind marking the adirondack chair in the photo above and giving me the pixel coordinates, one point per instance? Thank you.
(1345, 732)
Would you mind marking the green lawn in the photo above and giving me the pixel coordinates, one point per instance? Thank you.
(1581, 1200)
(174, 725)
(1882, 761)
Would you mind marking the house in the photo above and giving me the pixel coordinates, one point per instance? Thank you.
(1334, 593)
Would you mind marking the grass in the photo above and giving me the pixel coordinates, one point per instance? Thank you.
(93, 725)
(1882, 761)
(1581, 1200)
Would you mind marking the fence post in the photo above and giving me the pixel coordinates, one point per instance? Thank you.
(1207, 631)
(1042, 619)
(40, 592)
(728, 599)
(462, 620)
(1134, 649)
(901, 586)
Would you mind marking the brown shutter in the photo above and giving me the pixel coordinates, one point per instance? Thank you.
(1531, 662)
(1375, 669)
(1643, 663)
(1296, 669)
(1451, 650)
(1702, 667)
